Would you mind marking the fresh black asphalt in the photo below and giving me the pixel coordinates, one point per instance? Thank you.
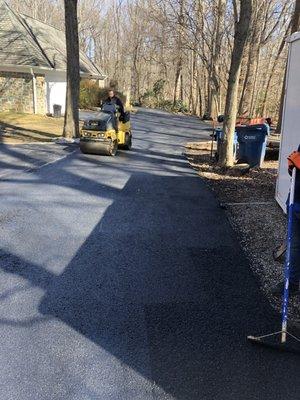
(121, 278)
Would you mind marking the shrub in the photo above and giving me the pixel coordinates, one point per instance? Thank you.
(148, 99)
(93, 96)
(154, 98)
(89, 94)
(165, 105)
(179, 106)
(158, 88)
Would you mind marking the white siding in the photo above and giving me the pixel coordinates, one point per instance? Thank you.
(56, 87)
(290, 126)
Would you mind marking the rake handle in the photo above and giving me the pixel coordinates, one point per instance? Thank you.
(287, 271)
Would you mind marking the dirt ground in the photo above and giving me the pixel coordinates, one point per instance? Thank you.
(248, 199)
(22, 128)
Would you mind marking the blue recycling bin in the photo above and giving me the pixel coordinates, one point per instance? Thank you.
(252, 140)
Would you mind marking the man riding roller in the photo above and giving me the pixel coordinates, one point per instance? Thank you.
(113, 99)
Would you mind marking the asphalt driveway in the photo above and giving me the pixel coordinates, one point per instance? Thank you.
(121, 278)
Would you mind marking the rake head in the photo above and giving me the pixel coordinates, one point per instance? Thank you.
(281, 341)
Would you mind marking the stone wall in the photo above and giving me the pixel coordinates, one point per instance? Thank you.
(16, 92)
(41, 94)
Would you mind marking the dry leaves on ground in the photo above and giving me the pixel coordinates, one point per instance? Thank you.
(252, 211)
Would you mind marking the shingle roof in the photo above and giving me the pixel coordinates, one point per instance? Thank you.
(25, 41)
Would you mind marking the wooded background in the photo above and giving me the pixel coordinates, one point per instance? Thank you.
(176, 53)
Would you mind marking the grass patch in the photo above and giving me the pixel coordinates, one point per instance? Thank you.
(19, 127)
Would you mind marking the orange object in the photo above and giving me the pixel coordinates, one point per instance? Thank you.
(294, 160)
(250, 121)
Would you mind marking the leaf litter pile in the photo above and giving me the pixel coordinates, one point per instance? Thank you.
(248, 198)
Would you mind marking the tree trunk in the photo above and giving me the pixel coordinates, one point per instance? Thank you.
(271, 73)
(135, 75)
(177, 76)
(194, 82)
(249, 84)
(201, 88)
(71, 123)
(178, 72)
(295, 27)
(247, 100)
(296, 17)
(240, 39)
(181, 87)
(254, 100)
(214, 74)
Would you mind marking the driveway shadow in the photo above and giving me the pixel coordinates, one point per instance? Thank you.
(169, 294)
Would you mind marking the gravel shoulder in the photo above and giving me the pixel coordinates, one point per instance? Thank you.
(253, 212)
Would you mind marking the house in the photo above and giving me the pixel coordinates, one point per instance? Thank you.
(33, 64)
(290, 137)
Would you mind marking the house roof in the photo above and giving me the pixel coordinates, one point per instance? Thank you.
(25, 41)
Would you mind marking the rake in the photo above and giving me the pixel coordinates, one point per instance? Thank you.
(282, 339)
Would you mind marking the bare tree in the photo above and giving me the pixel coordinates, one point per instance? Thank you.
(214, 65)
(296, 17)
(187, 44)
(231, 107)
(255, 37)
(71, 124)
(179, 55)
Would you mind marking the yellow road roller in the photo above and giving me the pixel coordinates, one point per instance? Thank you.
(106, 132)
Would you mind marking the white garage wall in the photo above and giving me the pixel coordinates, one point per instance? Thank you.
(56, 87)
(290, 139)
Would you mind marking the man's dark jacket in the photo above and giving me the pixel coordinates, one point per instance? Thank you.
(115, 100)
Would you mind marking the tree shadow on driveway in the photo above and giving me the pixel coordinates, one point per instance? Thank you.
(168, 293)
